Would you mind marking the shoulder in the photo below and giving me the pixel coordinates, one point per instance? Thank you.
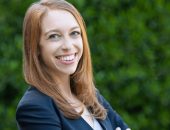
(36, 107)
(33, 96)
(102, 100)
(112, 115)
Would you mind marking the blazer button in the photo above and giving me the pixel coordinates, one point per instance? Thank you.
(118, 128)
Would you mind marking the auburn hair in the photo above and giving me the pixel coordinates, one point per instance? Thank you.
(81, 80)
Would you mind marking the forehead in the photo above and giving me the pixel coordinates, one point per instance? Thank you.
(58, 19)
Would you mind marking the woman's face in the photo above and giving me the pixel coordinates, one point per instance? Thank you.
(61, 45)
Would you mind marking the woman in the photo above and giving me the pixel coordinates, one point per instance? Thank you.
(57, 66)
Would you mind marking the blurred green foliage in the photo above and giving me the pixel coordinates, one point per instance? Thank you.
(130, 46)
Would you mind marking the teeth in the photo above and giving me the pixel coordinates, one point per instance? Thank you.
(67, 58)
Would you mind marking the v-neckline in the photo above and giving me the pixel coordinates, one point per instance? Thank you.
(99, 121)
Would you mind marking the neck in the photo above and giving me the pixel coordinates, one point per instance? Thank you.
(64, 84)
(70, 97)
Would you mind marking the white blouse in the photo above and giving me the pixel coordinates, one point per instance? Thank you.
(91, 120)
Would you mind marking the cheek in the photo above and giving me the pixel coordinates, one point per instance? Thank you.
(48, 49)
(46, 53)
(81, 45)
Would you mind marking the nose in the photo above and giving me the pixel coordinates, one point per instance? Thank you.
(67, 44)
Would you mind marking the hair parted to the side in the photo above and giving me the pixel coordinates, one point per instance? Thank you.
(36, 75)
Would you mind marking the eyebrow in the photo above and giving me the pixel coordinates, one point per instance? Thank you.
(56, 30)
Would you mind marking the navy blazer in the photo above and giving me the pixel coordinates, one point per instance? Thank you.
(37, 111)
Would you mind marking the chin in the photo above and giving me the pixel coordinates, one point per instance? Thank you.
(68, 71)
(71, 72)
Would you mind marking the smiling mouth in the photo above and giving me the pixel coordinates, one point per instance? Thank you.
(67, 58)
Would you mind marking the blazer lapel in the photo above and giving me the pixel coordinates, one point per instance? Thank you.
(105, 124)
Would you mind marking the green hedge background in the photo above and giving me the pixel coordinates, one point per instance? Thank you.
(130, 44)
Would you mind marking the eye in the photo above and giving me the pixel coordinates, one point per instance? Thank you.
(54, 36)
(75, 33)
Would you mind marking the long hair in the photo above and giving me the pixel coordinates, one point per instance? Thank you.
(81, 80)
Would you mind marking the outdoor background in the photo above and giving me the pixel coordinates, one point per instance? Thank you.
(130, 44)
